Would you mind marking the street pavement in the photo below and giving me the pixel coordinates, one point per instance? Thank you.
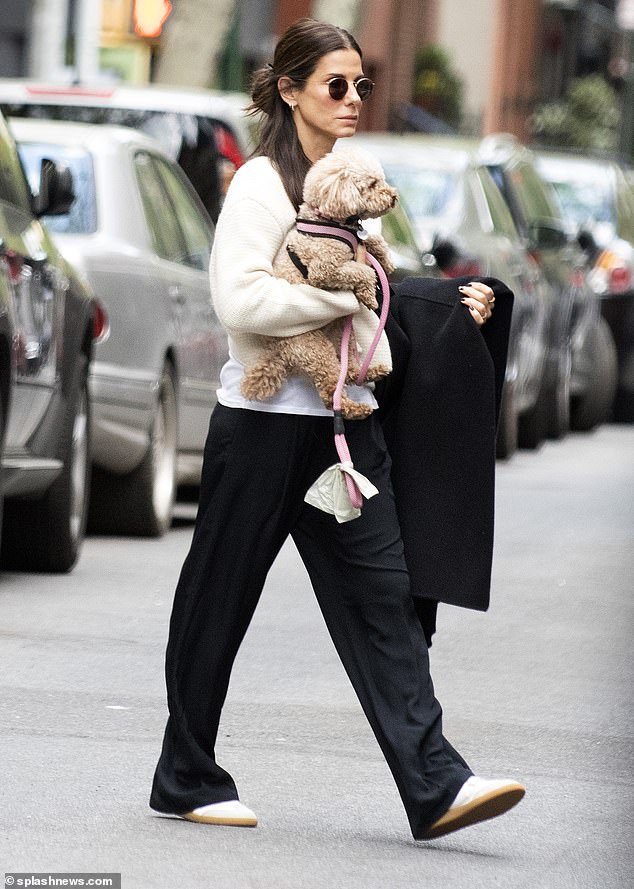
(538, 689)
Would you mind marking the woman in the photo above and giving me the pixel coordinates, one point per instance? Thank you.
(260, 459)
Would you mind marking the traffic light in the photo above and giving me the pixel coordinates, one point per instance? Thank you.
(150, 16)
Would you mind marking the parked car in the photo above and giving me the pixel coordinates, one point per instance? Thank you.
(462, 221)
(598, 202)
(586, 368)
(407, 258)
(48, 320)
(206, 132)
(142, 238)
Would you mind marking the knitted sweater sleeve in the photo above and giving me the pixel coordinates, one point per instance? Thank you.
(246, 295)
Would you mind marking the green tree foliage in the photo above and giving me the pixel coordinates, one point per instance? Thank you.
(587, 117)
(437, 87)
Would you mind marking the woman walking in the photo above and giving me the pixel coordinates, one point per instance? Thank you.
(261, 458)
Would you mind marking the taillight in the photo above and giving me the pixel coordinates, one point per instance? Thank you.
(463, 267)
(14, 263)
(611, 274)
(100, 323)
(620, 279)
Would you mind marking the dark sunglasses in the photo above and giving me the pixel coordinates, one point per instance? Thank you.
(338, 88)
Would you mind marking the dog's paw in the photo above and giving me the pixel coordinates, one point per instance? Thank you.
(377, 372)
(366, 294)
(376, 245)
(353, 410)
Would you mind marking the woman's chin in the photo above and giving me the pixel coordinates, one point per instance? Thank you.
(347, 128)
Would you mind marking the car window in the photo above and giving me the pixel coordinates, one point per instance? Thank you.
(586, 201)
(625, 202)
(165, 231)
(13, 187)
(424, 192)
(82, 216)
(397, 229)
(185, 138)
(535, 203)
(196, 230)
(500, 214)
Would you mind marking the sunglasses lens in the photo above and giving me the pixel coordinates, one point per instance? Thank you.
(338, 87)
(364, 88)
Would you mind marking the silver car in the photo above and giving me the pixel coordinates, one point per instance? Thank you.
(140, 235)
(462, 221)
(599, 205)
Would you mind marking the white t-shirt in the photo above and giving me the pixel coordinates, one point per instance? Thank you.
(297, 395)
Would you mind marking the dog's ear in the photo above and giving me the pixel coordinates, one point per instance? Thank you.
(338, 195)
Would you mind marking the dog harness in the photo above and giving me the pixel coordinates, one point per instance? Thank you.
(351, 236)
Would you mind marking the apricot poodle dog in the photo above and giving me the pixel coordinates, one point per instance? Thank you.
(344, 187)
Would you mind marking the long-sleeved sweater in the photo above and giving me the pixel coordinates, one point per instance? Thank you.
(249, 300)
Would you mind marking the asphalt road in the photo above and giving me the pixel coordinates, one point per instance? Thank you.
(538, 689)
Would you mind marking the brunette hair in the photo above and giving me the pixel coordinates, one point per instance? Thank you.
(297, 54)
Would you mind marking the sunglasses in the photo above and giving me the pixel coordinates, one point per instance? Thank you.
(338, 88)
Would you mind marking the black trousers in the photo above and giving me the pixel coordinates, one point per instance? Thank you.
(257, 468)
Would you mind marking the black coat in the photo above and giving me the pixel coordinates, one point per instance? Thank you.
(439, 410)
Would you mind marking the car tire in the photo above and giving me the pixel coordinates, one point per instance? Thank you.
(506, 439)
(47, 534)
(554, 399)
(595, 406)
(1, 454)
(530, 427)
(141, 502)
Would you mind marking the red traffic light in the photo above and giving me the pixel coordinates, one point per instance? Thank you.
(150, 16)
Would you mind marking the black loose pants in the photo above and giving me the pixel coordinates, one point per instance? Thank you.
(257, 469)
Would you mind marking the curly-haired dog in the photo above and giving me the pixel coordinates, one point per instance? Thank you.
(343, 187)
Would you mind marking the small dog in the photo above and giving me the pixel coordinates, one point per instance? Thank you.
(343, 187)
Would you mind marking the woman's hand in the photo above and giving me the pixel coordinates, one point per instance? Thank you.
(479, 299)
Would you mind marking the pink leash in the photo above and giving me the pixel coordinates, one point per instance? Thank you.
(317, 228)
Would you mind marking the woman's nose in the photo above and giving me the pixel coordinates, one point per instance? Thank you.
(352, 95)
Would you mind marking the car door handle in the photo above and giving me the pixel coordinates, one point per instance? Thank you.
(176, 294)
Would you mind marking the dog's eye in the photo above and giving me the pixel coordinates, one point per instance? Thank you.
(372, 183)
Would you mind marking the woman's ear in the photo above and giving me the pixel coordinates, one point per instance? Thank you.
(286, 88)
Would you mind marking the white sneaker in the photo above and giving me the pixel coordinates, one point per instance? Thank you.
(477, 800)
(231, 813)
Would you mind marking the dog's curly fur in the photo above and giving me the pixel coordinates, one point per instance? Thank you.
(344, 184)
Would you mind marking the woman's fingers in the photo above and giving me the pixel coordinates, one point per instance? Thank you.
(479, 299)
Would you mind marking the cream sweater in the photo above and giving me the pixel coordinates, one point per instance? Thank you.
(249, 301)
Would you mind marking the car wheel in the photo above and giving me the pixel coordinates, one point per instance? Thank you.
(530, 427)
(554, 399)
(595, 406)
(141, 502)
(47, 534)
(506, 439)
(1, 444)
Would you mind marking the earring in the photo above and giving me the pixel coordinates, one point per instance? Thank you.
(292, 107)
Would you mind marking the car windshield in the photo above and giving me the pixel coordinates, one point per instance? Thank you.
(82, 217)
(425, 192)
(586, 200)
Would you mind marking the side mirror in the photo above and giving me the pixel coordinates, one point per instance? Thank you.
(56, 193)
(586, 241)
(546, 235)
(445, 252)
